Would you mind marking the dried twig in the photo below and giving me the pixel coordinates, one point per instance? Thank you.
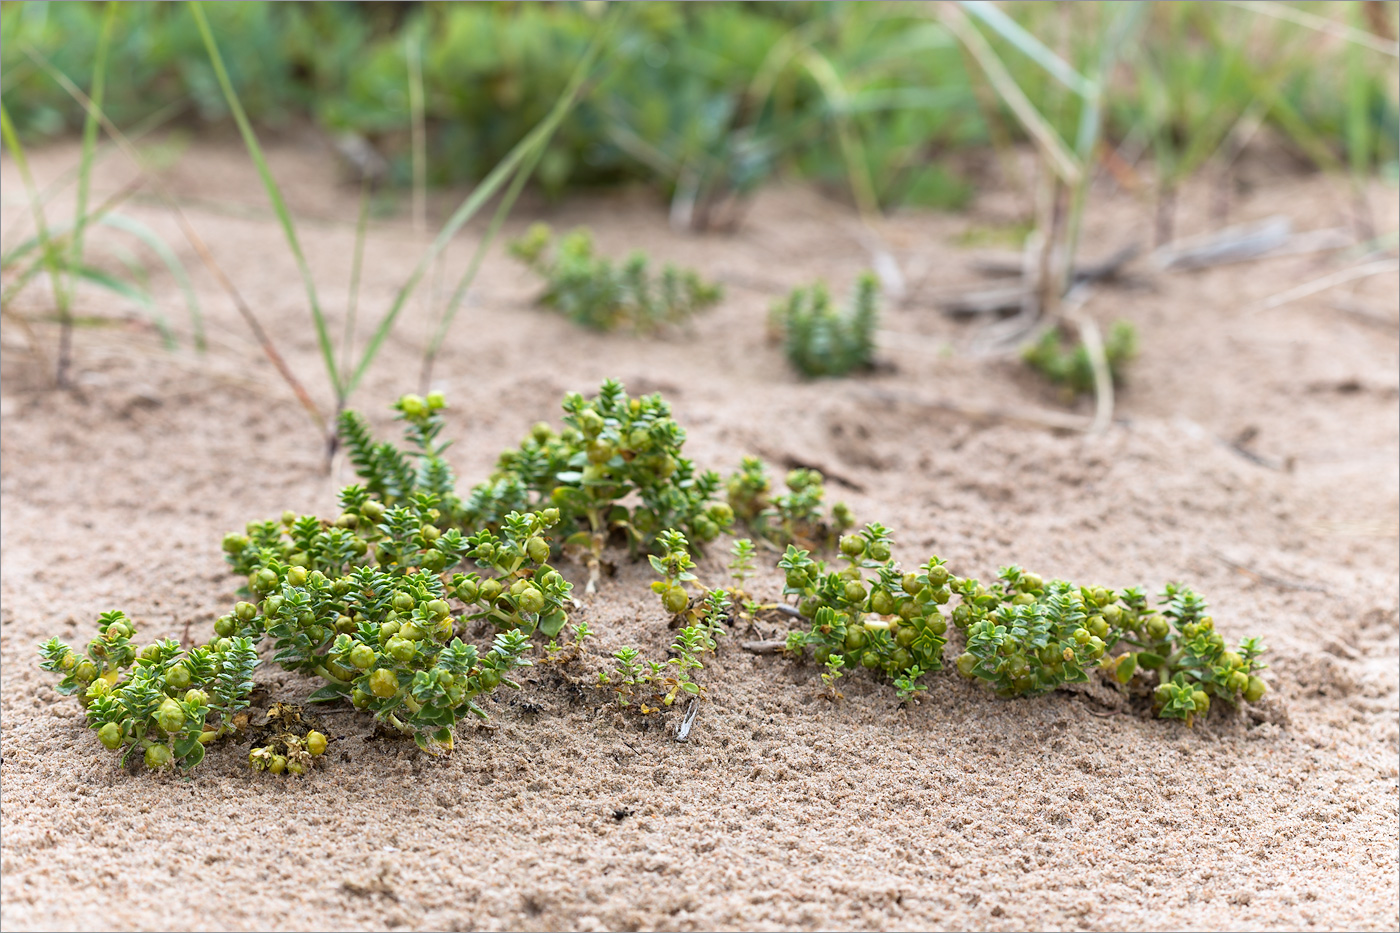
(769, 646)
(1328, 281)
(1233, 244)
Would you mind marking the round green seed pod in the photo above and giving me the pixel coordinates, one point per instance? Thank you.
(1254, 690)
(316, 743)
(383, 683)
(157, 756)
(110, 735)
(675, 599)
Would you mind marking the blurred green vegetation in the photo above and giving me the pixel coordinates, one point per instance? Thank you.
(706, 100)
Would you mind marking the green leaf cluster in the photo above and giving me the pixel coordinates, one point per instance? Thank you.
(793, 517)
(1069, 366)
(870, 614)
(1025, 636)
(156, 701)
(593, 291)
(820, 340)
(615, 468)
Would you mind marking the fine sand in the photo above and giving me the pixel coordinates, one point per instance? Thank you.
(1253, 454)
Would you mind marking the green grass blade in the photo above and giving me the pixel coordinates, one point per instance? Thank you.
(539, 136)
(90, 127)
(274, 194)
(50, 256)
(413, 52)
(130, 292)
(1031, 47)
(361, 228)
(155, 244)
(454, 304)
(1035, 124)
(1358, 122)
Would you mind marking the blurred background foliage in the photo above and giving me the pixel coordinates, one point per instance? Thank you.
(708, 99)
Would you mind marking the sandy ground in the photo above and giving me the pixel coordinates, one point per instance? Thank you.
(784, 810)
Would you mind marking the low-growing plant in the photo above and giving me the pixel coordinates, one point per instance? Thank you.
(362, 604)
(157, 700)
(637, 679)
(1069, 366)
(615, 468)
(886, 620)
(793, 517)
(591, 290)
(820, 340)
(1026, 636)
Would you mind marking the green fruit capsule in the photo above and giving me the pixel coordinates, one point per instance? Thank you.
(383, 683)
(225, 626)
(905, 637)
(675, 599)
(435, 401)
(110, 735)
(870, 660)
(852, 545)
(1081, 636)
(372, 510)
(855, 591)
(404, 602)
(197, 698)
(1237, 682)
(1157, 628)
(438, 608)
(413, 406)
(532, 600)
(1254, 690)
(178, 677)
(278, 764)
(490, 679)
(882, 603)
(1098, 627)
(245, 612)
(878, 551)
(316, 743)
(362, 656)
(537, 549)
(263, 581)
(1162, 695)
(297, 576)
(1112, 613)
(855, 638)
(967, 663)
(938, 575)
(901, 659)
(170, 717)
(234, 542)
(550, 516)
(910, 584)
(1201, 701)
(358, 698)
(489, 590)
(401, 649)
(157, 756)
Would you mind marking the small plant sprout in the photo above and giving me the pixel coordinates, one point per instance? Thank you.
(834, 663)
(158, 701)
(676, 569)
(1070, 367)
(793, 517)
(822, 341)
(691, 642)
(741, 566)
(907, 685)
(887, 620)
(716, 615)
(590, 290)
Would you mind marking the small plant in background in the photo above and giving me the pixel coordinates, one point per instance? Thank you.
(592, 291)
(156, 701)
(1070, 367)
(887, 620)
(818, 339)
(795, 516)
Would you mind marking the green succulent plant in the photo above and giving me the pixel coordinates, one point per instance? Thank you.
(820, 340)
(594, 292)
